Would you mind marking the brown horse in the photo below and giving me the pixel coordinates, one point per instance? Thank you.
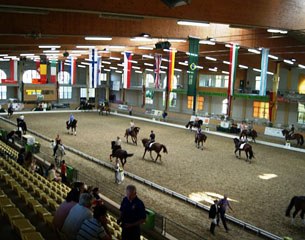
(294, 136)
(192, 124)
(249, 133)
(122, 155)
(246, 147)
(299, 204)
(200, 139)
(157, 147)
(133, 134)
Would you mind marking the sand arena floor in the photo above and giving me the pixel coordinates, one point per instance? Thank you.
(190, 171)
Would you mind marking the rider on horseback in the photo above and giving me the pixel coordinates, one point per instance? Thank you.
(198, 133)
(118, 142)
(291, 131)
(10, 110)
(132, 125)
(242, 139)
(71, 119)
(152, 137)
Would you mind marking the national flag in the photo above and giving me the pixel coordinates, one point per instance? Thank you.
(193, 72)
(264, 70)
(127, 69)
(53, 71)
(13, 69)
(158, 60)
(61, 66)
(171, 69)
(93, 68)
(72, 70)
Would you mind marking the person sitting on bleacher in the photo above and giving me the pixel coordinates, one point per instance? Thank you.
(77, 215)
(96, 227)
(52, 176)
(63, 210)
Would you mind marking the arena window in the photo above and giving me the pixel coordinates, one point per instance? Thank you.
(200, 101)
(257, 82)
(301, 113)
(190, 102)
(3, 92)
(65, 92)
(2, 75)
(260, 109)
(83, 92)
(29, 75)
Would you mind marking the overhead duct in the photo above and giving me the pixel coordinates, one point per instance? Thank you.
(176, 3)
(163, 45)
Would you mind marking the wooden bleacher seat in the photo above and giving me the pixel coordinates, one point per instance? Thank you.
(32, 236)
(12, 213)
(22, 225)
(5, 202)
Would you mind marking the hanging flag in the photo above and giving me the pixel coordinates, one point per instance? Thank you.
(72, 71)
(264, 70)
(171, 69)
(127, 69)
(232, 74)
(93, 78)
(43, 69)
(61, 66)
(53, 71)
(193, 62)
(158, 60)
(13, 73)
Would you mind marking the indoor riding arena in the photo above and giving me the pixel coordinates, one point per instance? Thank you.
(260, 191)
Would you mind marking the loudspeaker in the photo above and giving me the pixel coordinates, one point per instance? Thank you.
(163, 45)
(176, 3)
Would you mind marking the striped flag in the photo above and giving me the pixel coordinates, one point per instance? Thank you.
(53, 71)
(232, 74)
(158, 60)
(127, 69)
(61, 66)
(93, 68)
(171, 69)
(264, 70)
(72, 71)
(13, 69)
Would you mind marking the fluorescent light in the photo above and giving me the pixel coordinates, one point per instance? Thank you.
(193, 23)
(243, 66)
(149, 64)
(210, 58)
(85, 46)
(226, 62)
(4, 60)
(9, 56)
(106, 70)
(148, 56)
(49, 46)
(162, 72)
(118, 71)
(52, 54)
(138, 71)
(81, 66)
(51, 51)
(301, 66)
(86, 63)
(178, 70)
(288, 61)
(145, 48)
(228, 45)
(272, 30)
(163, 67)
(207, 42)
(256, 70)
(183, 63)
(199, 67)
(79, 51)
(106, 62)
(253, 50)
(273, 57)
(67, 64)
(270, 73)
(113, 68)
(192, 54)
(133, 61)
(176, 40)
(213, 69)
(225, 72)
(149, 70)
(3, 55)
(164, 59)
(120, 64)
(26, 54)
(98, 38)
(135, 67)
(142, 39)
(115, 58)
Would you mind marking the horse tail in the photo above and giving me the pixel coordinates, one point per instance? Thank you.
(290, 206)
(164, 149)
(129, 154)
(251, 154)
(302, 140)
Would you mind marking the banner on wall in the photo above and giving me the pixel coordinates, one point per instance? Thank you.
(193, 62)
(158, 60)
(13, 73)
(264, 70)
(127, 69)
(171, 69)
(72, 71)
(93, 69)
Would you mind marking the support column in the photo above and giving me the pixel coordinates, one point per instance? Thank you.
(273, 104)
(288, 87)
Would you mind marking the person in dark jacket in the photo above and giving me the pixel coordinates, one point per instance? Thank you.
(213, 215)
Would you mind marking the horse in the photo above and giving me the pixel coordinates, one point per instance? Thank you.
(133, 134)
(299, 204)
(104, 108)
(114, 147)
(122, 155)
(249, 133)
(192, 124)
(200, 139)
(72, 126)
(295, 136)
(12, 135)
(243, 147)
(157, 147)
(10, 112)
(21, 125)
(59, 154)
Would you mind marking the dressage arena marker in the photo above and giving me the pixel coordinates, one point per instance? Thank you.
(241, 223)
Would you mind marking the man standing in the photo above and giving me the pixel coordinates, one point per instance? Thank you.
(213, 215)
(223, 205)
(132, 214)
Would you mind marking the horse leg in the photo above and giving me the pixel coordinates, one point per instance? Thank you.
(144, 153)
(293, 215)
(158, 156)
(151, 156)
(235, 152)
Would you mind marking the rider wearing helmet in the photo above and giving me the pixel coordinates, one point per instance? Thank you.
(152, 138)
(291, 131)
(71, 118)
(131, 126)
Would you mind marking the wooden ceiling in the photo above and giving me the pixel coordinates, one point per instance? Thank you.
(28, 24)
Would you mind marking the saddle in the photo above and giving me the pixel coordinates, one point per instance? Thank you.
(241, 146)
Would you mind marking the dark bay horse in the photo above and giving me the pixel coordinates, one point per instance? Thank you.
(157, 147)
(72, 126)
(200, 139)
(122, 155)
(104, 108)
(246, 147)
(192, 124)
(299, 204)
(133, 134)
(294, 136)
(249, 133)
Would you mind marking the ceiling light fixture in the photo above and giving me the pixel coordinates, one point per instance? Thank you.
(253, 50)
(98, 38)
(81, 66)
(145, 48)
(273, 57)
(49, 46)
(288, 62)
(211, 59)
(192, 23)
(272, 30)
(207, 42)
